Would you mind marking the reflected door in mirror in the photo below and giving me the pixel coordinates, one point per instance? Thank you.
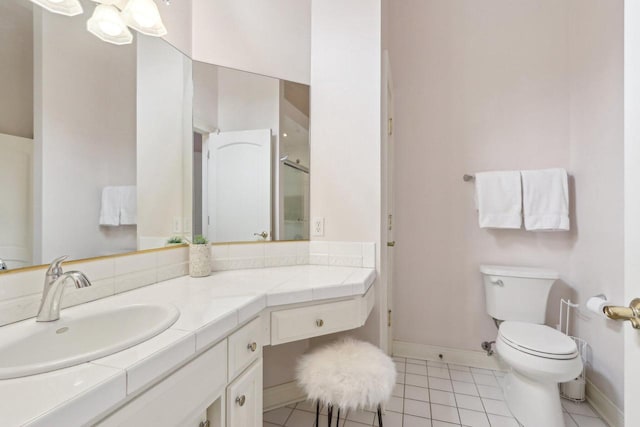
(239, 186)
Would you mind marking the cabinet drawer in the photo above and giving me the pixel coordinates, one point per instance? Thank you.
(245, 346)
(305, 322)
(244, 398)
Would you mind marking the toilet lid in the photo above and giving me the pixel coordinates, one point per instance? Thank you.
(537, 340)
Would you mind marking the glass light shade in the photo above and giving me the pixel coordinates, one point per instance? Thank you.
(144, 17)
(107, 24)
(62, 7)
(117, 3)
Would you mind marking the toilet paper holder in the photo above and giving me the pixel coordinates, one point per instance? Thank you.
(631, 313)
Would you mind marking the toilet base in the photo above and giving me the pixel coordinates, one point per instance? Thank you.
(533, 403)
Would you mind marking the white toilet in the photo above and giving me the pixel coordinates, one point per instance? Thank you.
(540, 357)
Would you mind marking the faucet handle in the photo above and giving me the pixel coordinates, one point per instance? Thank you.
(55, 269)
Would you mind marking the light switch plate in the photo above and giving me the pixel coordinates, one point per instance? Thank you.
(317, 226)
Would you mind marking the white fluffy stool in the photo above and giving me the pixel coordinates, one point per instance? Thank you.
(347, 374)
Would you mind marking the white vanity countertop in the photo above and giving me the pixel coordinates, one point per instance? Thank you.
(209, 309)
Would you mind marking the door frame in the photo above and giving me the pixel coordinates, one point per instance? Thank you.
(631, 203)
(205, 183)
(386, 261)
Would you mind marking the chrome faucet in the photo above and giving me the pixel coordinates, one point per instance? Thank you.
(54, 282)
(3, 265)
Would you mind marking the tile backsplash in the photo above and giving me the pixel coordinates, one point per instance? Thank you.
(20, 292)
(277, 254)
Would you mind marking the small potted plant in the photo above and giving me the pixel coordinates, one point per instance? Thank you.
(174, 241)
(199, 257)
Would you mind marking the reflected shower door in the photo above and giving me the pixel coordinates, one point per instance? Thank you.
(296, 203)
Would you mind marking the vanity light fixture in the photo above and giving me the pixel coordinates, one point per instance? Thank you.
(107, 24)
(144, 17)
(62, 7)
(111, 18)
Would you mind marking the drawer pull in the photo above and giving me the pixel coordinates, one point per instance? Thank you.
(253, 346)
(319, 323)
(240, 400)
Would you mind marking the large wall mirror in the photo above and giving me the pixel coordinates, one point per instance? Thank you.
(251, 163)
(110, 149)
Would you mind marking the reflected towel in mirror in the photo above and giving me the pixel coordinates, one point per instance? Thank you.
(119, 206)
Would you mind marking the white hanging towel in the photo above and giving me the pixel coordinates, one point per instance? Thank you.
(545, 200)
(119, 206)
(110, 208)
(129, 205)
(499, 199)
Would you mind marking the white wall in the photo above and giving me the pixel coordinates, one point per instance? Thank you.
(485, 89)
(205, 96)
(345, 123)
(233, 100)
(84, 137)
(597, 162)
(164, 135)
(16, 69)
(345, 118)
(247, 101)
(504, 85)
(269, 37)
(344, 141)
(16, 209)
(177, 18)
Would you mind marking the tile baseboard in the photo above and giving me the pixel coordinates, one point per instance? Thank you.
(609, 412)
(472, 358)
(282, 395)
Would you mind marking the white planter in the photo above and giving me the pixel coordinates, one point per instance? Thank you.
(199, 260)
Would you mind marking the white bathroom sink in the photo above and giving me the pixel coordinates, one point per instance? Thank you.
(29, 347)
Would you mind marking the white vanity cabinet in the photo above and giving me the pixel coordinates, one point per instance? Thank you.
(206, 369)
(222, 386)
(181, 398)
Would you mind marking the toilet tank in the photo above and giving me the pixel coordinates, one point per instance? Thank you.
(517, 293)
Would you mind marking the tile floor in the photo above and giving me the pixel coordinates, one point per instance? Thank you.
(435, 394)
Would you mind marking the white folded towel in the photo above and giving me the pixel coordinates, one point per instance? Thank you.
(545, 200)
(499, 198)
(119, 206)
(110, 208)
(129, 205)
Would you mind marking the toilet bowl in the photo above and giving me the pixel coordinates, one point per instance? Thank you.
(539, 358)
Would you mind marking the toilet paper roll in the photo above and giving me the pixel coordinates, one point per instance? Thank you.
(597, 304)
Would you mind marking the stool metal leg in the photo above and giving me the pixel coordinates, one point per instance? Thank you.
(338, 421)
(379, 416)
(329, 414)
(318, 414)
